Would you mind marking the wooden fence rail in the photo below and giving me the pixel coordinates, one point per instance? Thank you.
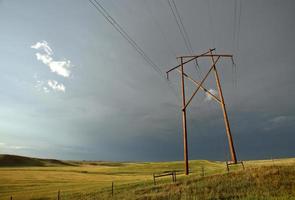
(158, 175)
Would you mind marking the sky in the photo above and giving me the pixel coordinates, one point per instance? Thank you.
(71, 87)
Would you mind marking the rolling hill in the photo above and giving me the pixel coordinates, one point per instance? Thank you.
(22, 161)
(29, 178)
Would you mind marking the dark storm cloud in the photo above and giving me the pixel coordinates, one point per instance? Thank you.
(116, 107)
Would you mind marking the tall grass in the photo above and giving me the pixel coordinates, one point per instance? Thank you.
(260, 180)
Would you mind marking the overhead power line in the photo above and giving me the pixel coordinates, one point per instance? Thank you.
(182, 29)
(129, 39)
(159, 28)
(180, 25)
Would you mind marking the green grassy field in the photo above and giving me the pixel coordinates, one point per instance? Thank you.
(263, 179)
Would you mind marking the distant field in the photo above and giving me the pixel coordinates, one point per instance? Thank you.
(92, 180)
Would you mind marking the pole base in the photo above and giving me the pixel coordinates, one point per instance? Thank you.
(229, 163)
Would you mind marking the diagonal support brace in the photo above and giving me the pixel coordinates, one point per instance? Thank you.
(195, 92)
(201, 86)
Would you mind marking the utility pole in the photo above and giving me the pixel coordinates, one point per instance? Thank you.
(185, 149)
(199, 84)
(225, 117)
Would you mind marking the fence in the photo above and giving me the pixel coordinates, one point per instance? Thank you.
(159, 175)
(113, 189)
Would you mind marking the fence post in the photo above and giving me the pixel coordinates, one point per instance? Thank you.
(243, 165)
(173, 177)
(154, 179)
(112, 188)
(202, 171)
(174, 173)
(273, 161)
(10, 197)
(58, 195)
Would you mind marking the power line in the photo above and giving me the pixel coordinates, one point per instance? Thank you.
(186, 35)
(182, 29)
(180, 25)
(129, 39)
(167, 44)
(159, 27)
(120, 29)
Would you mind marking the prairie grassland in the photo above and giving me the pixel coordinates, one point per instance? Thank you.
(264, 182)
(92, 180)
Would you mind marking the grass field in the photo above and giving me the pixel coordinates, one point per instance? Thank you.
(263, 179)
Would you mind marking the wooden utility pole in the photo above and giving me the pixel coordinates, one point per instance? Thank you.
(225, 117)
(184, 128)
(199, 84)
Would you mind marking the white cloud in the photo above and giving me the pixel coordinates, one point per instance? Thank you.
(56, 86)
(59, 67)
(45, 58)
(208, 96)
(44, 46)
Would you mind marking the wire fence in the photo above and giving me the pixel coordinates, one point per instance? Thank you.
(114, 189)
